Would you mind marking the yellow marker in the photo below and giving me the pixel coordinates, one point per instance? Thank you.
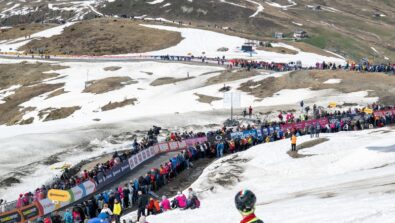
(59, 195)
(332, 105)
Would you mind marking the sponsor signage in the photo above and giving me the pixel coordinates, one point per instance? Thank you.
(30, 212)
(304, 124)
(11, 217)
(59, 195)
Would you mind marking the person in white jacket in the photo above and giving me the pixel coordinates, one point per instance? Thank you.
(106, 210)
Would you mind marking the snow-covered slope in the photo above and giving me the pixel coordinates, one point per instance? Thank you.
(349, 178)
(194, 44)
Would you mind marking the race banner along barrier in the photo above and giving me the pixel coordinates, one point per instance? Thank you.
(302, 125)
(89, 187)
(384, 112)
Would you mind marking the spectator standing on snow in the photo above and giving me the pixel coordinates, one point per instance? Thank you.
(311, 130)
(117, 211)
(250, 111)
(245, 202)
(317, 130)
(142, 203)
(220, 149)
(293, 142)
(302, 106)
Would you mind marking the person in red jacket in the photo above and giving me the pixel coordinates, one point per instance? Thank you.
(245, 202)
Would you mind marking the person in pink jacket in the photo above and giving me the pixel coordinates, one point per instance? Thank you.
(165, 204)
(19, 203)
(182, 200)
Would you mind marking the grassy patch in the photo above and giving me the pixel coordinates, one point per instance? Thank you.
(168, 80)
(24, 30)
(206, 98)
(103, 37)
(114, 105)
(107, 84)
(61, 113)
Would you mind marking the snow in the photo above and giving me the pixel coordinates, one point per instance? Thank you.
(166, 5)
(232, 3)
(333, 81)
(298, 24)
(374, 49)
(347, 179)
(258, 10)
(284, 7)
(193, 44)
(155, 2)
(13, 45)
(7, 92)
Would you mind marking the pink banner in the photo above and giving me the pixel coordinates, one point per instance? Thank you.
(173, 146)
(163, 147)
(192, 142)
(182, 145)
(384, 112)
(302, 125)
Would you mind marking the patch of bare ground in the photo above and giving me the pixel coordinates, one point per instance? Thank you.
(26, 121)
(206, 98)
(24, 30)
(379, 84)
(282, 50)
(112, 68)
(60, 113)
(26, 73)
(114, 105)
(227, 76)
(11, 111)
(56, 93)
(168, 80)
(107, 84)
(103, 37)
(311, 49)
(305, 145)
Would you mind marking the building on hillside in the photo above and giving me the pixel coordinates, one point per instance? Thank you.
(279, 35)
(300, 34)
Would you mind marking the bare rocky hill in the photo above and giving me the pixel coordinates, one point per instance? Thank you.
(355, 28)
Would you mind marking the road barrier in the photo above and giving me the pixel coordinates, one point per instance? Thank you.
(101, 180)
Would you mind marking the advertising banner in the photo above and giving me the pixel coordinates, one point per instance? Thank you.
(30, 212)
(47, 206)
(173, 146)
(76, 193)
(144, 155)
(302, 125)
(156, 148)
(384, 112)
(131, 163)
(151, 152)
(10, 217)
(89, 186)
(163, 147)
(182, 144)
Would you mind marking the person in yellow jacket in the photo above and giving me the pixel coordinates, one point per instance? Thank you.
(293, 142)
(117, 211)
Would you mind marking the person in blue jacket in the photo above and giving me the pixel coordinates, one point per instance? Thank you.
(220, 149)
(68, 217)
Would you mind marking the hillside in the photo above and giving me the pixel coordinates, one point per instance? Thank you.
(354, 29)
(347, 178)
(103, 37)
